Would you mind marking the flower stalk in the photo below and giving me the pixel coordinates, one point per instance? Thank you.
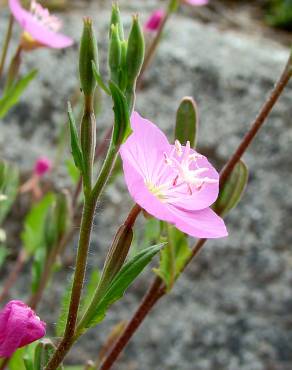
(6, 43)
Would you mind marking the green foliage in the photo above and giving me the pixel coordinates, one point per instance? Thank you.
(99, 79)
(231, 193)
(9, 181)
(122, 126)
(173, 256)
(75, 144)
(279, 13)
(13, 94)
(90, 289)
(3, 254)
(61, 323)
(72, 170)
(186, 127)
(121, 282)
(34, 225)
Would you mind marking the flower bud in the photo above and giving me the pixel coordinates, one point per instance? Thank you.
(135, 52)
(42, 166)
(115, 52)
(116, 21)
(19, 326)
(43, 351)
(116, 255)
(88, 53)
(154, 21)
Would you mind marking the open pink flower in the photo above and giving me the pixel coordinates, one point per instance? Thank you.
(42, 166)
(196, 2)
(171, 182)
(40, 27)
(19, 326)
(154, 21)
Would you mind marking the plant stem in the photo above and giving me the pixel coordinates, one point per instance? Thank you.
(81, 259)
(6, 43)
(118, 260)
(149, 300)
(12, 277)
(158, 288)
(4, 363)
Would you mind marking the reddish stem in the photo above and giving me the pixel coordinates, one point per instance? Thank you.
(18, 266)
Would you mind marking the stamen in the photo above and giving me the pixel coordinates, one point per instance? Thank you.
(178, 148)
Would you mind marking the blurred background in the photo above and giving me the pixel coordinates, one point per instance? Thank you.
(232, 308)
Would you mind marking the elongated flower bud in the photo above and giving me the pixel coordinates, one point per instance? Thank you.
(117, 254)
(115, 52)
(116, 21)
(88, 53)
(135, 52)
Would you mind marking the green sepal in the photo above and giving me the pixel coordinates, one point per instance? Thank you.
(231, 192)
(9, 182)
(122, 127)
(75, 144)
(186, 127)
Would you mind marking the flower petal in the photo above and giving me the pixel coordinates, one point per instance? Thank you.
(36, 29)
(200, 224)
(144, 147)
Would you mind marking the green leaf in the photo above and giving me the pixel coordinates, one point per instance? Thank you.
(34, 224)
(75, 144)
(99, 80)
(9, 181)
(13, 94)
(90, 290)
(3, 254)
(173, 256)
(187, 122)
(122, 281)
(72, 170)
(16, 361)
(61, 323)
(122, 126)
(232, 191)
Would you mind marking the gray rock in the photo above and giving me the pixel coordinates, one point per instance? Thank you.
(232, 308)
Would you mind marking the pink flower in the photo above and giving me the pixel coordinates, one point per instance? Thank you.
(196, 2)
(171, 182)
(154, 21)
(40, 27)
(19, 326)
(42, 166)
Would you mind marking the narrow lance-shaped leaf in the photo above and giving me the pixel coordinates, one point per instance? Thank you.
(75, 145)
(186, 128)
(99, 79)
(231, 192)
(12, 95)
(122, 126)
(122, 281)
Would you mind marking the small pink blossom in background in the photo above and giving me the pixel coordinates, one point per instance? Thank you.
(19, 326)
(154, 21)
(173, 183)
(40, 27)
(42, 166)
(196, 2)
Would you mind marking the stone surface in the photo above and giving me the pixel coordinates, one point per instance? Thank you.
(232, 308)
